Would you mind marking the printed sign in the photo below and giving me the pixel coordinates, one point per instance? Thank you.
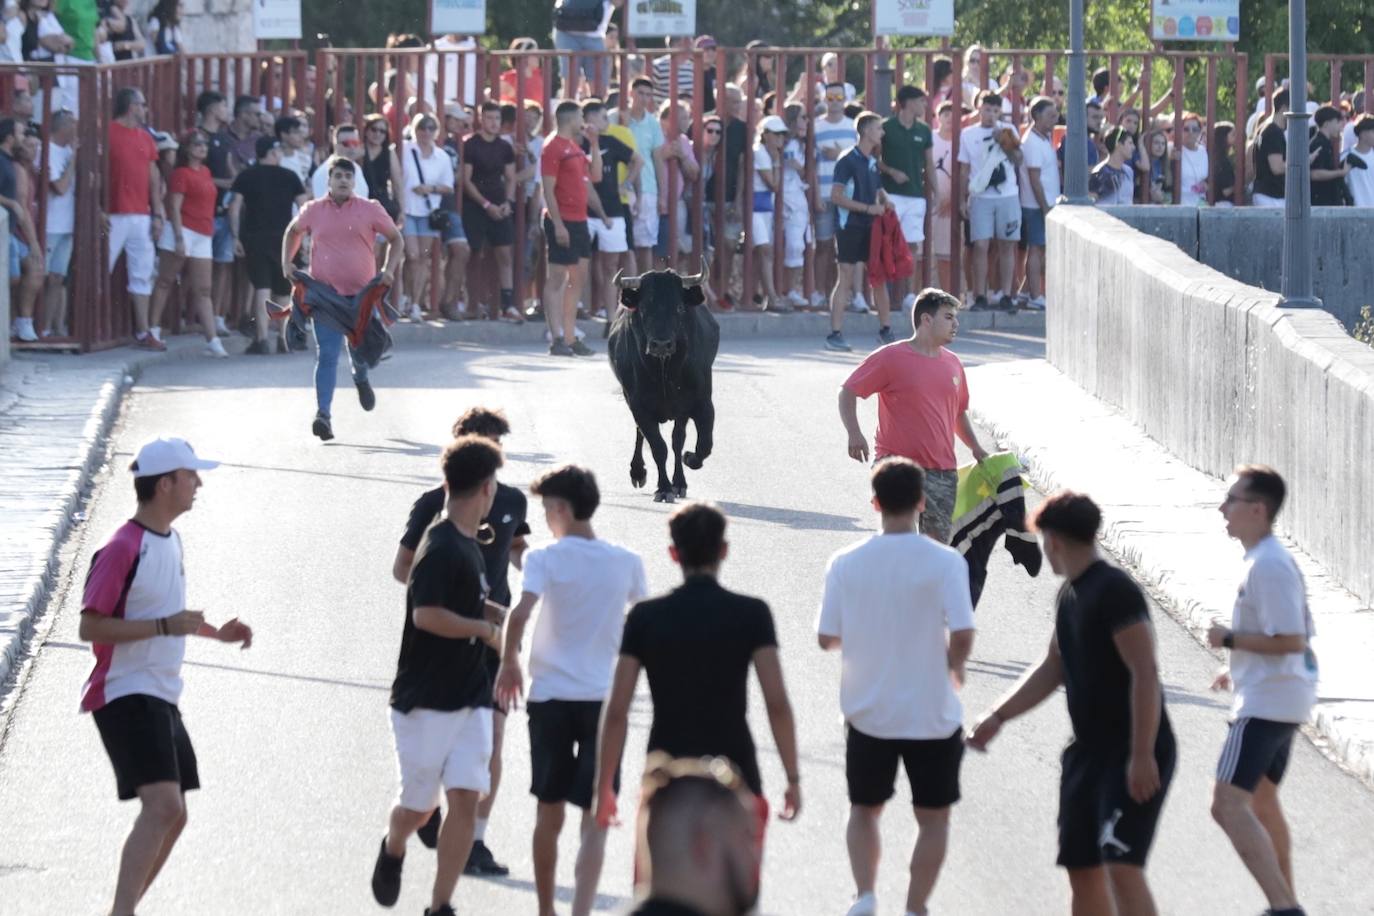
(276, 19)
(651, 18)
(1195, 20)
(457, 17)
(913, 17)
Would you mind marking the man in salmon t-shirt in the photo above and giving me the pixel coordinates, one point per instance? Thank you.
(343, 231)
(136, 211)
(922, 405)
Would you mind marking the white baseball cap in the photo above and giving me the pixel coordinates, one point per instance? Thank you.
(774, 125)
(162, 456)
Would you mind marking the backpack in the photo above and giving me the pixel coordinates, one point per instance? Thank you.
(578, 15)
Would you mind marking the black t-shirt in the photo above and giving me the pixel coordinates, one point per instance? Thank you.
(221, 143)
(1271, 140)
(696, 644)
(507, 520)
(488, 159)
(614, 153)
(435, 672)
(736, 137)
(1092, 609)
(268, 192)
(657, 907)
(1331, 192)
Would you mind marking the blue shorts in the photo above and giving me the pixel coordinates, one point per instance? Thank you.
(59, 252)
(1033, 226)
(18, 252)
(223, 243)
(454, 232)
(419, 227)
(825, 223)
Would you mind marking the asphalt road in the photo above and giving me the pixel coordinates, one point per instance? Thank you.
(293, 739)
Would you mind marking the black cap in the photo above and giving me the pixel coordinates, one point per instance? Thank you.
(265, 145)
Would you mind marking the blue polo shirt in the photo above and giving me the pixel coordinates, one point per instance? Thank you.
(858, 175)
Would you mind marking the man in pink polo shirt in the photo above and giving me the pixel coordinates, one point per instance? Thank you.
(922, 405)
(343, 232)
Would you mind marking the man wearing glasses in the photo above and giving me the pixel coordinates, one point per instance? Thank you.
(349, 145)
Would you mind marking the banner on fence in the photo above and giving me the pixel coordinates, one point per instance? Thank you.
(276, 19)
(649, 18)
(457, 17)
(1195, 20)
(913, 17)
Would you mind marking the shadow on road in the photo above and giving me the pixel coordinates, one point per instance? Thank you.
(799, 519)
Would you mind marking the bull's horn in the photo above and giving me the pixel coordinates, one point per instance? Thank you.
(624, 282)
(695, 279)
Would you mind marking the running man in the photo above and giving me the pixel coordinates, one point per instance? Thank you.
(585, 585)
(922, 405)
(343, 230)
(897, 606)
(441, 698)
(264, 195)
(1274, 675)
(507, 527)
(697, 644)
(133, 612)
(1117, 768)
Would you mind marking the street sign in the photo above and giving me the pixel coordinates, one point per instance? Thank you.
(276, 19)
(457, 17)
(913, 17)
(651, 18)
(1195, 20)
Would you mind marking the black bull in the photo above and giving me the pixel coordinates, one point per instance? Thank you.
(662, 345)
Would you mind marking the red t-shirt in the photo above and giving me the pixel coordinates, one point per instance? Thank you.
(342, 240)
(198, 198)
(919, 401)
(131, 151)
(563, 159)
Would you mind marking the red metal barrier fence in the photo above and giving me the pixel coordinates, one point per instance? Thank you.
(344, 86)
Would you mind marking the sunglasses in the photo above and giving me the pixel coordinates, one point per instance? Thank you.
(350, 143)
(830, 97)
(713, 130)
(376, 129)
(428, 128)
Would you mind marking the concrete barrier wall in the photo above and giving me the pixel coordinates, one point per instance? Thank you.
(4, 290)
(1246, 244)
(1220, 375)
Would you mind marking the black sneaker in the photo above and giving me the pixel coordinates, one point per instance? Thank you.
(1006, 303)
(445, 910)
(885, 336)
(560, 348)
(581, 349)
(429, 832)
(386, 877)
(322, 427)
(980, 304)
(259, 348)
(483, 864)
(366, 396)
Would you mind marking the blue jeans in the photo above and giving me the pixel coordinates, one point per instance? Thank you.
(575, 41)
(329, 343)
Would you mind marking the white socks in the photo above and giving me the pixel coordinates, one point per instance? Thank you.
(479, 832)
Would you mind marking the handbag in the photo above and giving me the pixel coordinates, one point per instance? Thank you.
(439, 218)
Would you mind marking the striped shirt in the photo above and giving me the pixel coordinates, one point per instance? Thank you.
(840, 134)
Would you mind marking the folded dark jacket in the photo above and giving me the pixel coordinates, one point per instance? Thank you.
(363, 317)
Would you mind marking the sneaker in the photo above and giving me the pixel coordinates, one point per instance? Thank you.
(386, 877)
(445, 910)
(908, 302)
(1037, 304)
(600, 315)
(215, 349)
(481, 862)
(149, 342)
(858, 306)
(780, 304)
(322, 427)
(819, 300)
(864, 905)
(1006, 304)
(560, 348)
(416, 313)
(156, 332)
(429, 831)
(796, 299)
(835, 341)
(885, 336)
(581, 349)
(259, 348)
(221, 329)
(366, 396)
(23, 330)
(980, 304)
(512, 314)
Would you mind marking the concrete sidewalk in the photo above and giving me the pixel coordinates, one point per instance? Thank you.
(1161, 518)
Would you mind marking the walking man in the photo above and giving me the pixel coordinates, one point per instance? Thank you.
(507, 527)
(897, 606)
(922, 405)
(1117, 768)
(697, 644)
(133, 612)
(858, 198)
(441, 698)
(1274, 675)
(264, 195)
(489, 197)
(343, 229)
(585, 585)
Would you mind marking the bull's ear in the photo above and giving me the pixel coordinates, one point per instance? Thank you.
(693, 295)
(629, 298)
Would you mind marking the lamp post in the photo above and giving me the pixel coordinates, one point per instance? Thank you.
(1075, 153)
(1297, 206)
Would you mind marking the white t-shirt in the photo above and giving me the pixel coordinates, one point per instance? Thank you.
(890, 599)
(794, 202)
(763, 195)
(436, 168)
(1037, 152)
(585, 588)
(299, 161)
(48, 27)
(319, 182)
(1272, 600)
(14, 40)
(1361, 181)
(975, 145)
(1195, 166)
(61, 207)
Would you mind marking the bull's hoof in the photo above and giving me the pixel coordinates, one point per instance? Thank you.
(664, 496)
(638, 478)
(680, 489)
(692, 461)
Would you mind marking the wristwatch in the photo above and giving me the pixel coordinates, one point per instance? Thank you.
(1229, 640)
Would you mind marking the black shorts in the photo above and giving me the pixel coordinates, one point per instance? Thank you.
(1255, 749)
(263, 261)
(147, 743)
(482, 230)
(1098, 821)
(579, 242)
(851, 244)
(932, 768)
(563, 750)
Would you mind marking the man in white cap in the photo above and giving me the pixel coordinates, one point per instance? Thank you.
(133, 612)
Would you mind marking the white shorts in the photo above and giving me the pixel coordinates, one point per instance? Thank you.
(1264, 200)
(646, 223)
(608, 241)
(196, 244)
(762, 226)
(994, 218)
(131, 235)
(434, 750)
(911, 212)
(797, 237)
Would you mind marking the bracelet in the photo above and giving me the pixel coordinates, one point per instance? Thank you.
(1229, 640)
(161, 626)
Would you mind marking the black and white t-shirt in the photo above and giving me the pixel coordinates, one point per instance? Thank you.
(507, 520)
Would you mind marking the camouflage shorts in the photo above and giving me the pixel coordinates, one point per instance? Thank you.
(938, 518)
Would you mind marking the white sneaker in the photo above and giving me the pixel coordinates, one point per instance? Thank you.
(860, 304)
(221, 328)
(215, 349)
(796, 299)
(156, 332)
(864, 905)
(416, 314)
(23, 330)
(908, 302)
(819, 300)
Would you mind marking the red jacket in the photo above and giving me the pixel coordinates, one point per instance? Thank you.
(888, 257)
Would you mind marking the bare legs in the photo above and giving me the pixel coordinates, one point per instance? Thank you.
(591, 855)
(1257, 830)
(155, 831)
(865, 849)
